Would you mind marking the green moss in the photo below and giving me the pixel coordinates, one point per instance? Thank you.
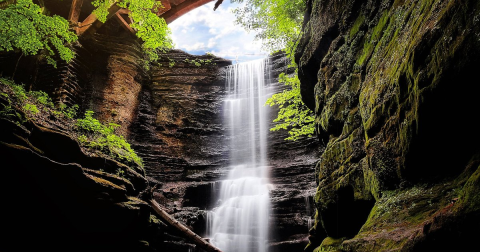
(330, 244)
(470, 195)
(356, 25)
(376, 34)
(399, 59)
(105, 183)
(370, 181)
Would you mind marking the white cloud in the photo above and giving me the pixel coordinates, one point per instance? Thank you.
(203, 29)
(195, 47)
(211, 43)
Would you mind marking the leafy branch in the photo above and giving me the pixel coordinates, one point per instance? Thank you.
(25, 28)
(150, 28)
(293, 115)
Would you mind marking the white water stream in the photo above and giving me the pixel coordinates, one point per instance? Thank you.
(239, 223)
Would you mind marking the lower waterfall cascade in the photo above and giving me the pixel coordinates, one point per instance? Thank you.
(239, 223)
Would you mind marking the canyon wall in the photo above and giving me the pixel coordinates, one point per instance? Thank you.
(394, 89)
(172, 115)
(180, 134)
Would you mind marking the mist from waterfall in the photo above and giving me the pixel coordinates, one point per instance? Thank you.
(239, 223)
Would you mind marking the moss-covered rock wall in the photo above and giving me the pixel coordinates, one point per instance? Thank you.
(394, 89)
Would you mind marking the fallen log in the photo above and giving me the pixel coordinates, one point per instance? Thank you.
(189, 234)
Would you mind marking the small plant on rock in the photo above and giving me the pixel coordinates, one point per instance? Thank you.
(102, 137)
(30, 108)
(42, 98)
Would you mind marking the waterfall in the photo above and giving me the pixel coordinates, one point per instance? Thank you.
(239, 223)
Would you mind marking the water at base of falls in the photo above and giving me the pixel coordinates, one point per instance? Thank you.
(239, 223)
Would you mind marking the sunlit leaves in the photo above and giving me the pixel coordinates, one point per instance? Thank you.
(293, 116)
(24, 27)
(277, 22)
(153, 30)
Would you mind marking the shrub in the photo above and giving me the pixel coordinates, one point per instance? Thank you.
(30, 108)
(93, 134)
(103, 138)
(42, 98)
(71, 112)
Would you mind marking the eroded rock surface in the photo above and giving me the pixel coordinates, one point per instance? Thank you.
(393, 85)
(172, 114)
(59, 198)
(180, 134)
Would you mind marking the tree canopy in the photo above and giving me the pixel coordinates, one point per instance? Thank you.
(153, 30)
(278, 26)
(25, 27)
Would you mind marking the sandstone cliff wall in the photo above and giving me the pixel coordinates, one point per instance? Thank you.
(394, 89)
(172, 114)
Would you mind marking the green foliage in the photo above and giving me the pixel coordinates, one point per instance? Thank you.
(30, 108)
(193, 62)
(6, 109)
(18, 91)
(42, 98)
(293, 116)
(103, 138)
(69, 112)
(199, 62)
(14, 100)
(153, 30)
(24, 27)
(120, 172)
(171, 63)
(277, 22)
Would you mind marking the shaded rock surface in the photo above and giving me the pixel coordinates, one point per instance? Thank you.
(57, 197)
(393, 85)
(291, 176)
(172, 115)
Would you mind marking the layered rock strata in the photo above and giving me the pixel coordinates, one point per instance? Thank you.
(59, 198)
(181, 136)
(393, 86)
(172, 114)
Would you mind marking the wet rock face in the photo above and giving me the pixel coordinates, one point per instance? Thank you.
(385, 78)
(179, 115)
(179, 133)
(116, 78)
(292, 177)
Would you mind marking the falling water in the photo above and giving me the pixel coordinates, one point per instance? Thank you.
(240, 221)
(309, 211)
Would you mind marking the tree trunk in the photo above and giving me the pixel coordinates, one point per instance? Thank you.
(187, 232)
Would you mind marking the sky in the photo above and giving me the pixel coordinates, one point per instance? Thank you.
(203, 30)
